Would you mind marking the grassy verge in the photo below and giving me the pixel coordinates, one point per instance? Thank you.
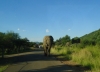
(88, 57)
(2, 68)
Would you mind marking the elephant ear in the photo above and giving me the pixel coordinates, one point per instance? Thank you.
(51, 38)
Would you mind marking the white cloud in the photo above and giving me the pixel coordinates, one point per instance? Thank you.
(18, 29)
(47, 30)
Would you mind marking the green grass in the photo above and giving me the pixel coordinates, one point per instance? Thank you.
(88, 57)
(59, 50)
(2, 68)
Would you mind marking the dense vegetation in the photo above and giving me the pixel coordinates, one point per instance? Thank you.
(83, 50)
(11, 42)
(92, 38)
(62, 41)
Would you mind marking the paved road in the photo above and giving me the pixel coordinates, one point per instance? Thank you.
(35, 61)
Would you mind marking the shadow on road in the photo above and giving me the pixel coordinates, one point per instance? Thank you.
(59, 68)
(37, 55)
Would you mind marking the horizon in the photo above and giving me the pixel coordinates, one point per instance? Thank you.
(35, 19)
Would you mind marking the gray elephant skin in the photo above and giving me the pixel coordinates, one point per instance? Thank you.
(47, 44)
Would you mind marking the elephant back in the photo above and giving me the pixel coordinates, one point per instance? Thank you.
(47, 41)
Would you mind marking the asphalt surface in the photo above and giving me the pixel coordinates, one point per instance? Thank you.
(35, 61)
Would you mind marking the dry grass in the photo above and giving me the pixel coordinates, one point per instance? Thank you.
(88, 57)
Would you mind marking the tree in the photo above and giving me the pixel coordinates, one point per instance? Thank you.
(10, 41)
(75, 40)
(2, 43)
(62, 41)
(21, 43)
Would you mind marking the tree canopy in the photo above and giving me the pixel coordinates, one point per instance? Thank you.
(63, 40)
(12, 42)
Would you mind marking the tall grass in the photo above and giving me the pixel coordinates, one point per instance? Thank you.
(88, 56)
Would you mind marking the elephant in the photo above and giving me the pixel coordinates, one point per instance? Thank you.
(47, 44)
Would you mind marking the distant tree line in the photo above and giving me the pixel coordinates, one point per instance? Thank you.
(92, 38)
(62, 40)
(66, 41)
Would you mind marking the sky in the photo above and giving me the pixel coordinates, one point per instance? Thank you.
(35, 19)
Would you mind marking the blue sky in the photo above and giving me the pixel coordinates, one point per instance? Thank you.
(36, 18)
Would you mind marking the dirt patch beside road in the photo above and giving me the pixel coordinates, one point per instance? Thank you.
(74, 65)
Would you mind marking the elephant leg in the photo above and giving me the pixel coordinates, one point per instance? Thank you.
(48, 52)
(45, 52)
